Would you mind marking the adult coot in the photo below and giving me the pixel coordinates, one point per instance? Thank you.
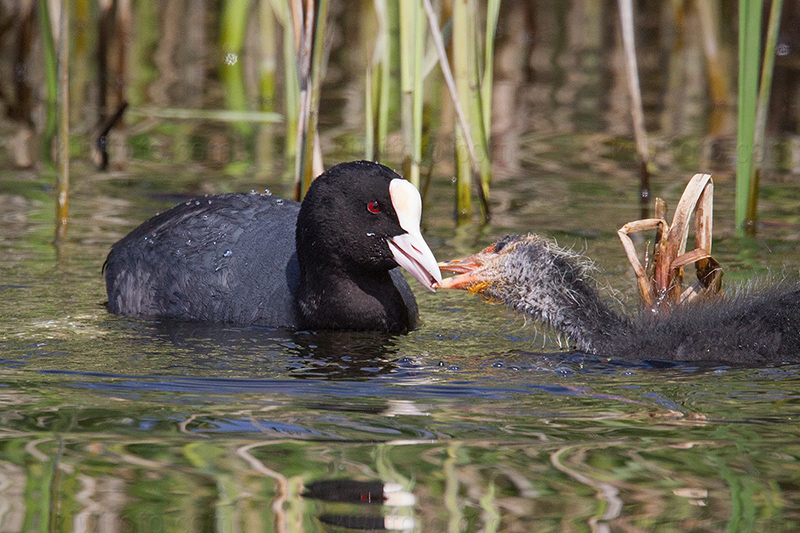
(532, 275)
(252, 259)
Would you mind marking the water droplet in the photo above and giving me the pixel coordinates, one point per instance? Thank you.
(227, 253)
(188, 203)
(205, 217)
(253, 191)
(197, 202)
(231, 58)
(370, 234)
(453, 179)
(188, 242)
(267, 192)
(279, 201)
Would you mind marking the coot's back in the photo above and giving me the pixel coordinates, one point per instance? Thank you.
(225, 258)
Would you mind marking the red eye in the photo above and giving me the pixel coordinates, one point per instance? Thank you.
(374, 207)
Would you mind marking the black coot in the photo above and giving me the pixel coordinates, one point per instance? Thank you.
(252, 259)
(533, 275)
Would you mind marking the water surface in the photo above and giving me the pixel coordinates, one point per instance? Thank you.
(492, 424)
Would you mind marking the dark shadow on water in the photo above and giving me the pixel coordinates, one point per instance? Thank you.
(575, 365)
(334, 355)
(343, 354)
(595, 364)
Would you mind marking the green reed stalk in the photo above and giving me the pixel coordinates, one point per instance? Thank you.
(490, 507)
(438, 42)
(419, 77)
(482, 89)
(79, 73)
(232, 29)
(377, 83)
(266, 21)
(407, 83)
(487, 83)
(749, 58)
(105, 22)
(762, 106)
(475, 97)
(637, 112)
(370, 42)
(492, 14)
(51, 81)
(232, 26)
(291, 79)
(412, 35)
(221, 115)
(265, 134)
(62, 201)
(143, 73)
(462, 51)
(385, 79)
(50, 56)
(311, 164)
(369, 115)
(450, 495)
(303, 23)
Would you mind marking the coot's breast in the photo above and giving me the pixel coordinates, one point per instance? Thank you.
(225, 258)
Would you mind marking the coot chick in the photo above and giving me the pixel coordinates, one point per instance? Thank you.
(532, 275)
(252, 259)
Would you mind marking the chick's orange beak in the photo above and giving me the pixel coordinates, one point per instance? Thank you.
(462, 281)
(467, 269)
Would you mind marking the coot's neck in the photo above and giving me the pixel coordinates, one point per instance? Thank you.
(328, 298)
(547, 284)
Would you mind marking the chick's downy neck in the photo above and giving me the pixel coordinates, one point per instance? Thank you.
(551, 285)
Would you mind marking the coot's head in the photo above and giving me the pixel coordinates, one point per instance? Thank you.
(363, 217)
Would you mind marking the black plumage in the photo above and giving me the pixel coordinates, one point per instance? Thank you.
(253, 259)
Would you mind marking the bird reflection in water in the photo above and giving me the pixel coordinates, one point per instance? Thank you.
(256, 351)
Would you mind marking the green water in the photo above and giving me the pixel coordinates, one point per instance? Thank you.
(110, 423)
(488, 422)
